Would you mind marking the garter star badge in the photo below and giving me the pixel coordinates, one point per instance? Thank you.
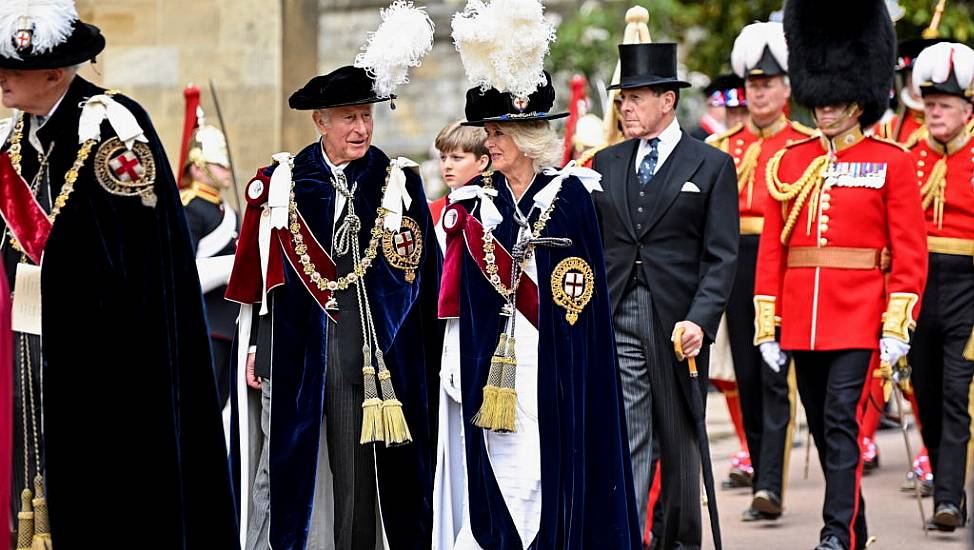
(572, 284)
(403, 248)
(126, 172)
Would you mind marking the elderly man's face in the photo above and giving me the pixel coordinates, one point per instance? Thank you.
(945, 115)
(346, 131)
(646, 112)
(29, 90)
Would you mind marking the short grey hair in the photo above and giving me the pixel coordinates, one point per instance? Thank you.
(537, 140)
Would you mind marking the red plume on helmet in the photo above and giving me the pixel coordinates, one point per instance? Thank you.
(190, 124)
(577, 107)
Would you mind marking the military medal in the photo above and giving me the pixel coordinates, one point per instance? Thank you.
(126, 172)
(572, 286)
(403, 248)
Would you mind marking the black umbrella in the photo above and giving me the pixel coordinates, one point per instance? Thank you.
(696, 408)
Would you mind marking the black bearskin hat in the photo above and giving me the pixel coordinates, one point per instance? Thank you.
(841, 52)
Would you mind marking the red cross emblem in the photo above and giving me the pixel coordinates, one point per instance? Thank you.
(22, 39)
(405, 243)
(574, 284)
(127, 167)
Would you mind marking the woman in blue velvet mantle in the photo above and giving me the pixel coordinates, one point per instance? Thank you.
(539, 454)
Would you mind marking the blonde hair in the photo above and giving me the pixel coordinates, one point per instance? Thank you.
(536, 140)
(461, 138)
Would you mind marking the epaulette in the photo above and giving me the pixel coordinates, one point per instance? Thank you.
(814, 136)
(898, 145)
(186, 196)
(802, 129)
(718, 140)
(918, 135)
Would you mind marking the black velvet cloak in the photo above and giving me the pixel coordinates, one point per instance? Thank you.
(586, 477)
(135, 451)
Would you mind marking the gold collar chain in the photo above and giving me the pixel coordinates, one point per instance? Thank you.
(769, 130)
(358, 272)
(951, 146)
(491, 259)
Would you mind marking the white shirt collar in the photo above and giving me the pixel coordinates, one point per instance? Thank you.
(668, 140)
(332, 166)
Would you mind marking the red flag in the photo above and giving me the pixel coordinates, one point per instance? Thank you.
(190, 123)
(577, 107)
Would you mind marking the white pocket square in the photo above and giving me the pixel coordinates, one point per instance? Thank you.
(689, 187)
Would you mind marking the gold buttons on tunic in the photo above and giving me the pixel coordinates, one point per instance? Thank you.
(823, 241)
(921, 164)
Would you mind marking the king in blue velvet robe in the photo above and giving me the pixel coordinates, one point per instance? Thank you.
(407, 328)
(586, 477)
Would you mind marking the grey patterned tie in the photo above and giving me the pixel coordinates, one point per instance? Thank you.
(648, 165)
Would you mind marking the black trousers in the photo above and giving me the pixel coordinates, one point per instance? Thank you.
(833, 388)
(764, 394)
(941, 375)
(656, 411)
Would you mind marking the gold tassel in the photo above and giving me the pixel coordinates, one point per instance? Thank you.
(25, 521)
(42, 526)
(488, 408)
(372, 427)
(969, 348)
(934, 191)
(393, 419)
(505, 416)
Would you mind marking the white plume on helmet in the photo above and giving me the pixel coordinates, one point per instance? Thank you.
(51, 21)
(936, 63)
(749, 47)
(503, 43)
(403, 38)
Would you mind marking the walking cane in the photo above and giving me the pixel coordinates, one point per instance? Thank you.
(892, 378)
(696, 408)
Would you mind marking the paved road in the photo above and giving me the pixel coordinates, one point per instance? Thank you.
(892, 516)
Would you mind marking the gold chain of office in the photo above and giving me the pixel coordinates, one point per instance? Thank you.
(489, 248)
(358, 272)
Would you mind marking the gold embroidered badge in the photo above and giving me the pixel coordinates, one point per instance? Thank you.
(572, 284)
(126, 172)
(403, 248)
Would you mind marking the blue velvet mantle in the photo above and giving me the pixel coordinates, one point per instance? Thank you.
(586, 478)
(405, 318)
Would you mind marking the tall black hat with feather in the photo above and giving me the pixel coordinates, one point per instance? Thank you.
(841, 52)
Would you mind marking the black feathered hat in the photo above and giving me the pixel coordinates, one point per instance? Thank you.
(495, 106)
(908, 50)
(841, 59)
(342, 87)
(45, 35)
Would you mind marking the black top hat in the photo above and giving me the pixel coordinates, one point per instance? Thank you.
(648, 65)
(495, 106)
(83, 44)
(342, 87)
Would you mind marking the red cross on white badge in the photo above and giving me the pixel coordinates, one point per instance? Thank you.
(405, 244)
(574, 284)
(22, 39)
(127, 167)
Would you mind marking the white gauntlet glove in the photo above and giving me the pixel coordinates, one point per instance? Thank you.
(891, 350)
(773, 356)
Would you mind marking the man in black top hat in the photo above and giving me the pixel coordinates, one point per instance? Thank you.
(338, 264)
(87, 186)
(669, 222)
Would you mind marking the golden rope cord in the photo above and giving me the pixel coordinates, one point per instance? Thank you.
(934, 191)
(784, 192)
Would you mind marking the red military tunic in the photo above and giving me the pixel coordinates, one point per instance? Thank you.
(861, 200)
(751, 148)
(946, 186)
(908, 133)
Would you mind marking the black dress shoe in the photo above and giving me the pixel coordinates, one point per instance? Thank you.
(947, 517)
(753, 514)
(830, 542)
(767, 502)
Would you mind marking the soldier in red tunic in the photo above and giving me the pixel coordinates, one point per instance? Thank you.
(906, 126)
(944, 162)
(761, 57)
(842, 203)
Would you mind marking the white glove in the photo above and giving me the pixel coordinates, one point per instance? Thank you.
(773, 356)
(891, 350)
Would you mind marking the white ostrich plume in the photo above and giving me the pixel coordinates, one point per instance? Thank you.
(936, 63)
(749, 47)
(51, 22)
(503, 43)
(402, 39)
